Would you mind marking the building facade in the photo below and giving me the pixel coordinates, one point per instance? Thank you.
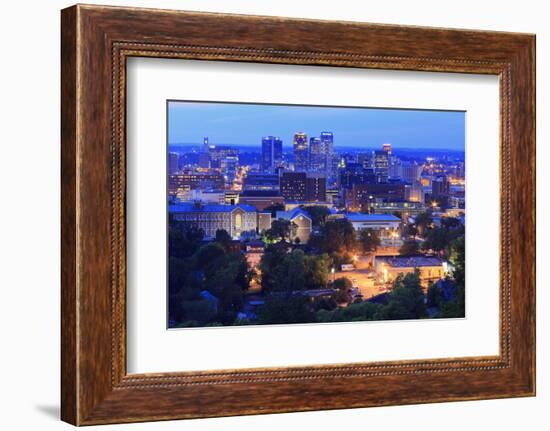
(293, 186)
(272, 153)
(301, 152)
(194, 180)
(431, 268)
(235, 219)
(301, 220)
(386, 226)
(173, 163)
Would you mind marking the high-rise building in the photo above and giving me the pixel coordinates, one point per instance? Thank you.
(301, 152)
(440, 186)
(302, 187)
(354, 173)
(272, 153)
(414, 192)
(365, 160)
(229, 166)
(293, 186)
(316, 188)
(327, 148)
(387, 149)
(317, 159)
(173, 162)
(381, 164)
(410, 171)
(220, 152)
(204, 155)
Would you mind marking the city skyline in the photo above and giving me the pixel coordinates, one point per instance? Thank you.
(314, 231)
(244, 125)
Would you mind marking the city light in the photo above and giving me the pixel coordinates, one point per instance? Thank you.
(276, 220)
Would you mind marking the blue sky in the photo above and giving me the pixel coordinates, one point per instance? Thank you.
(245, 124)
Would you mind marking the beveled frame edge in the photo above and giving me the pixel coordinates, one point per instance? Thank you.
(95, 388)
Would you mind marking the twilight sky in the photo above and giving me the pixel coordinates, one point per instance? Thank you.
(245, 124)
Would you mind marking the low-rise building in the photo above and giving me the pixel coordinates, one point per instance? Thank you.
(386, 226)
(302, 220)
(431, 268)
(260, 199)
(235, 219)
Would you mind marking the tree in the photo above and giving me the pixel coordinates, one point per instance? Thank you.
(318, 214)
(292, 309)
(369, 240)
(316, 271)
(423, 221)
(183, 238)
(294, 275)
(281, 229)
(209, 258)
(434, 297)
(406, 299)
(343, 287)
(223, 237)
(352, 313)
(456, 307)
(437, 239)
(338, 236)
(271, 266)
(409, 248)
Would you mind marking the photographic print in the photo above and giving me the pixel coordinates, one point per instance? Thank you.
(298, 214)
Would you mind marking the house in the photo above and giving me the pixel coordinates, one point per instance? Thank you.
(302, 220)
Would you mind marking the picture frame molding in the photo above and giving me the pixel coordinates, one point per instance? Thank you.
(96, 42)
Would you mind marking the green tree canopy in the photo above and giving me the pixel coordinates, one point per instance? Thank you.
(423, 221)
(338, 236)
(281, 229)
(223, 237)
(318, 214)
(438, 239)
(410, 247)
(293, 309)
(369, 240)
(406, 299)
(456, 307)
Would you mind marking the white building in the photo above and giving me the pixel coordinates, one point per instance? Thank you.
(235, 219)
(387, 226)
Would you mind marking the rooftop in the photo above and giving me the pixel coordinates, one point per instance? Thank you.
(358, 217)
(192, 207)
(292, 214)
(410, 261)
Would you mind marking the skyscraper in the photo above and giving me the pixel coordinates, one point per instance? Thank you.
(173, 163)
(317, 159)
(381, 166)
(327, 146)
(301, 152)
(272, 153)
(204, 155)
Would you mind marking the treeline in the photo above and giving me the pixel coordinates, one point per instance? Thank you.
(195, 268)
